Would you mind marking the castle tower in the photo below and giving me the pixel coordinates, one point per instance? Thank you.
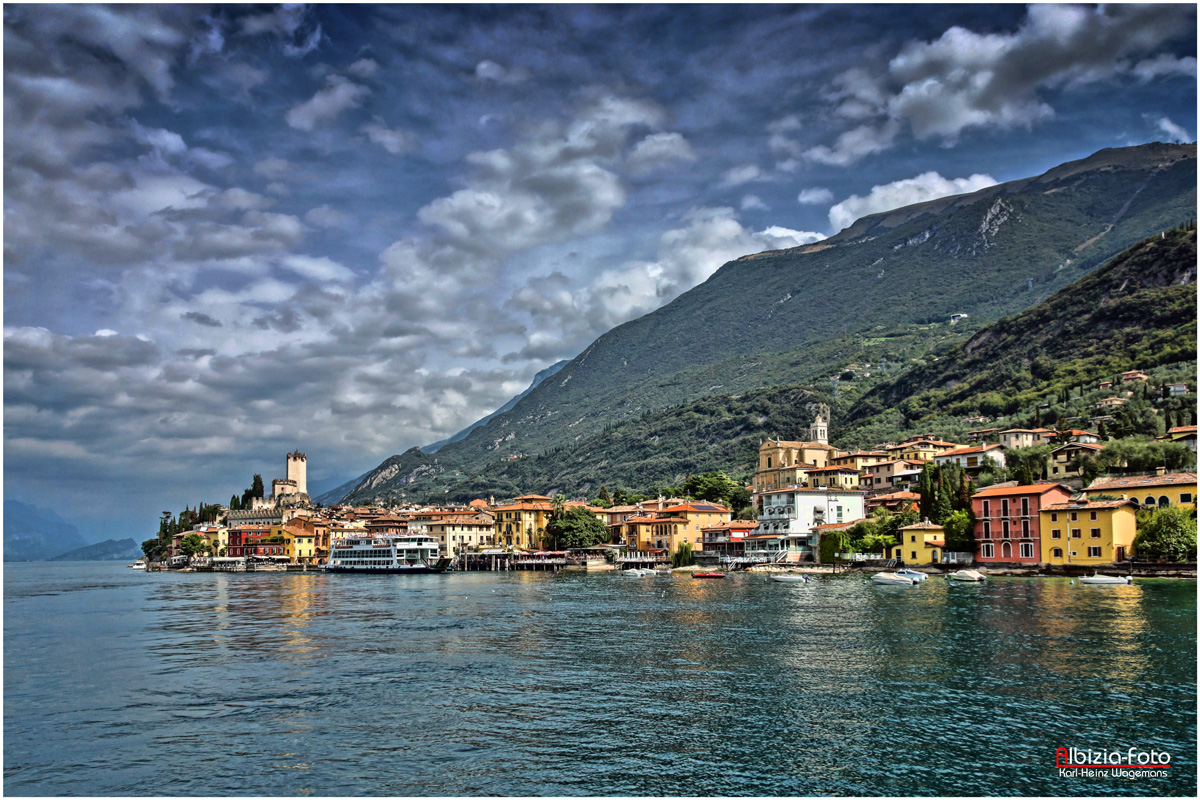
(297, 471)
(819, 430)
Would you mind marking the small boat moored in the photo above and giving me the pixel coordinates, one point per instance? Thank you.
(708, 574)
(790, 578)
(138, 565)
(967, 575)
(1107, 580)
(916, 576)
(891, 579)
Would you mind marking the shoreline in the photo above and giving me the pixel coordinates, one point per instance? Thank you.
(1181, 571)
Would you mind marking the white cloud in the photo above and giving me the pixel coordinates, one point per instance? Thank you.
(491, 71)
(338, 95)
(659, 150)
(395, 141)
(1174, 132)
(316, 268)
(745, 173)
(923, 187)
(327, 217)
(814, 196)
(753, 202)
(855, 144)
(274, 168)
(363, 68)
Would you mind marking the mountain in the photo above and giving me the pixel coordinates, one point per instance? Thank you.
(108, 550)
(1138, 311)
(553, 369)
(333, 496)
(777, 318)
(35, 534)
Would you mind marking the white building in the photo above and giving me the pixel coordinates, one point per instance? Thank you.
(789, 516)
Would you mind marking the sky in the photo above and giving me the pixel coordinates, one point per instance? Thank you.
(231, 231)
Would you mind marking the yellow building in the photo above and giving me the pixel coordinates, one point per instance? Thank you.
(859, 459)
(217, 539)
(923, 543)
(520, 524)
(654, 531)
(696, 516)
(833, 478)
(1088, 532)
(920, 449)
(1149, 491)
(300, 546)
(1061, 459)
(782, 464)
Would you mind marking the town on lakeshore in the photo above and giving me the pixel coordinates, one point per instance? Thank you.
(1018, 500)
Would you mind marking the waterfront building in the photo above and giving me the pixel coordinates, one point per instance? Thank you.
(728, 538)
(1088, 532)
(299, 546)
(254, 541)
(696, 516)
(457, 533)
(922, 543)
(521, 523)
(1149, 491)
(1007, 525)
(791, 514)
(783, 463)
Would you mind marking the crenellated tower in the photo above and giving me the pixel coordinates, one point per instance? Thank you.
(297, 471)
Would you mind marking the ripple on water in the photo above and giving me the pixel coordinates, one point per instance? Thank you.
(575, 684)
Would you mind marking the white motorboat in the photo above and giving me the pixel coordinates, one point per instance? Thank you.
(912, 573)
(967, 575)
(789, 578)
(1108, 580)
(138, 565)
(892, 579)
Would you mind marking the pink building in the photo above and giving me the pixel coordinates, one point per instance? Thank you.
(1006, 521)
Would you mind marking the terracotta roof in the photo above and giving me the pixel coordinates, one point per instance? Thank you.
(810, 489)
(698, 506)
(1084, 445)
(833, 469)
(922, 526)
(733, 524)
(1089, 505)
(836, 526)
(524, 507)
(898, 496)
(1142, 481)
(965, 451)
(1002, 491)
(1183, 429)
(533, 497)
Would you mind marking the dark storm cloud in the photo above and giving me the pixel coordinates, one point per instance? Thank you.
(201, 319)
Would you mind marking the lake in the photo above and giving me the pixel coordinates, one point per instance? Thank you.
(118, 682)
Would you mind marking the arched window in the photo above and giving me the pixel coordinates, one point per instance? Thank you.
(1164, 501)
(1149, 501)
(1056, 552)
(1006, 550)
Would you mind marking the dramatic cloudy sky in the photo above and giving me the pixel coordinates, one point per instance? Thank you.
(234, 231)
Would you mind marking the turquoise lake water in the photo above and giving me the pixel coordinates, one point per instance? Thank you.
(122, 683)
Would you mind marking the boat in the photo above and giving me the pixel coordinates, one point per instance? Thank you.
(790, 578)
(637, 572)
(892, 579)
(916, 576)
(708, 574)
(965, 575)
(1107, 580)
(138, 565)
(402, 554)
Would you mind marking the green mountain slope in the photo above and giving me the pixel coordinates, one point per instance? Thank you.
(777, 318)
(1137, 311)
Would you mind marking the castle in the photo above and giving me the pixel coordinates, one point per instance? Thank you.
(287, 495)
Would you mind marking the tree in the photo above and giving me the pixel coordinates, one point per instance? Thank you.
(604, 498)
(959, 537)
(926, 490)
(1168, 534)
(1027, 465)
(192, 544)
(682, 557)
(942, 506)
(256, 487)
(151, 549)
(576, 527)
(747, 512)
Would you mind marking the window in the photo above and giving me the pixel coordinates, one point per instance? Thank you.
(913, 539)
(1054, 516)
(1025, 529)
(1055, 533)
(1164, 501)
(1027, 550)
(1004, 529)
(914, 554)
(1074, 516)
(1185, 497)
(1149, 501)
(1093, 515)
(1076, 533)
(1056, 552)
(987, 529)
(987, 551)
(1004, 507)
(987, 508)
(1024, 506)
(1095, 533)
(1093, 552)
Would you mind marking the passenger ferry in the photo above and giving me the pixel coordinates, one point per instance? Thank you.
(406, 554)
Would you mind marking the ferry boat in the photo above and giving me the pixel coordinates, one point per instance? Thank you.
(405, 554)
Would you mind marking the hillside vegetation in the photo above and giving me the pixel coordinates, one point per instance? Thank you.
(794, 317)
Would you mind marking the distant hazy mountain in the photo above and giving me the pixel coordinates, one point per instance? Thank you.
(537, 380)
(35, 534)
(108, 550)
(768, 319)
